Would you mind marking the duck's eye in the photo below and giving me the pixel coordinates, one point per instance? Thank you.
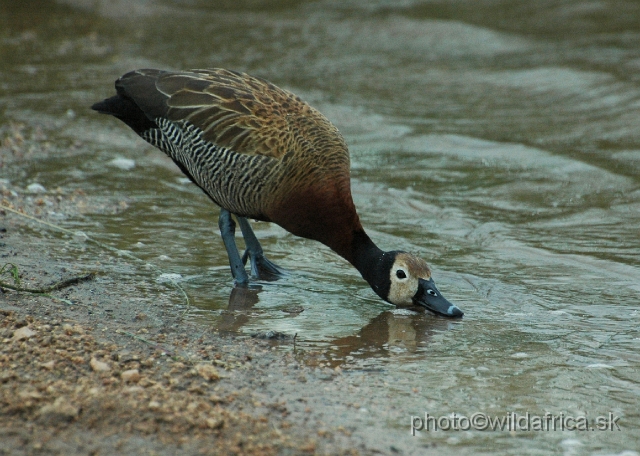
(401, 274)
(431, 292)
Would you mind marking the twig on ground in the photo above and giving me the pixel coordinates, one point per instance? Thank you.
(43, 290)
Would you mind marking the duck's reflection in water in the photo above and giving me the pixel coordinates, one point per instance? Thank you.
(241, 300)
(389, 333)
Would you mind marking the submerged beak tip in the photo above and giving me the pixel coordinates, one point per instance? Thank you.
(454, 311)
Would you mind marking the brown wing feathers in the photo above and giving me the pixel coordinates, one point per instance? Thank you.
(234, 110)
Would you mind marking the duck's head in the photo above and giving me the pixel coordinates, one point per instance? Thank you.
(408, 284)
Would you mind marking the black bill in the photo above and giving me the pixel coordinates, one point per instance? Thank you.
(430, 298)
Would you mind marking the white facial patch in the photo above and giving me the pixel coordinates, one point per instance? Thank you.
(404, 275)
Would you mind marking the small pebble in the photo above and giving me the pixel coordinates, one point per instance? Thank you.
(122, 163)
(99, 366)
(130, 376)
(23, 333)
(35, 188)
(154, 405)
(208, 372)
(213, 423)
(216, 399)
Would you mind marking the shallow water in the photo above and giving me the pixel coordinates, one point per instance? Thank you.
(499, 140)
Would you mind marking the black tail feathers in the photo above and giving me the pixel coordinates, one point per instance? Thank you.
(127, 111)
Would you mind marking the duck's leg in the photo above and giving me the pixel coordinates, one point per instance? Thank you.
(228, 230)
(260, 266)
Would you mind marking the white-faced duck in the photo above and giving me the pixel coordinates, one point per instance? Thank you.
(260, 152)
